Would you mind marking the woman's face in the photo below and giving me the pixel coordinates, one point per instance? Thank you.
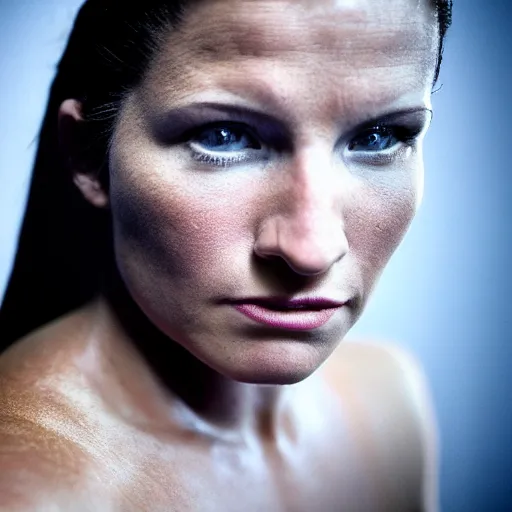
(273, 149)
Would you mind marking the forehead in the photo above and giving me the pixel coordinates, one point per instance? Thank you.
(226, 28)
(286, 44)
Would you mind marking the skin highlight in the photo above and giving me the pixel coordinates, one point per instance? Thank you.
(331, 219)
(302, 211)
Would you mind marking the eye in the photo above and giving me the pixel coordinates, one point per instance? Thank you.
(225, 138)
(223, 143)
(379, 138)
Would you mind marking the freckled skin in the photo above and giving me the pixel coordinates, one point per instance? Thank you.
(334, 220)
(174, 398)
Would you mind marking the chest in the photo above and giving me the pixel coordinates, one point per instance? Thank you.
(349, 456)
(311, 473)
(247, 482)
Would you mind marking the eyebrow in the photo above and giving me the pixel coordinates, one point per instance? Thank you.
(392, 115)
(261, 92)
(194, 113)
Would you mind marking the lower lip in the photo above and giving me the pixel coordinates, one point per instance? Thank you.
(298, 320)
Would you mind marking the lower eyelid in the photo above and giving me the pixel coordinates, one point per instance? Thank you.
(392, 149)
(222, 154)
(380, 158)
(217, 159)
(225, 157)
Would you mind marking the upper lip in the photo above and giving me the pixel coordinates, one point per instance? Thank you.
(282, 302)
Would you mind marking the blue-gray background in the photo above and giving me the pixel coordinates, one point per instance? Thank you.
(446, 293)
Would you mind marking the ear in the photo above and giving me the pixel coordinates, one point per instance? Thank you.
(72, 138)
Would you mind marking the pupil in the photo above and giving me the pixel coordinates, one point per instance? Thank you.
(218, 137)
(225, 139)
(222, 137)
(374, 139)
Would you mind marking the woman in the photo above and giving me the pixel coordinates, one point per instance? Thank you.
(217, 188)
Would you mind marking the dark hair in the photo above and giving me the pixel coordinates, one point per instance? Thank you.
(65, 243)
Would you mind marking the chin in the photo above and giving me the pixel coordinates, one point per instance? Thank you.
(274, 363)
(271, 377)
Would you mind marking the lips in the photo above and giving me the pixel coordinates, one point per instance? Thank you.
(295, 314)
(283, 304)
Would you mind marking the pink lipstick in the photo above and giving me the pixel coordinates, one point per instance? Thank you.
(296, 314)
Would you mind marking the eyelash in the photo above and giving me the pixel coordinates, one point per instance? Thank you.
(213, 158)
(405, 137)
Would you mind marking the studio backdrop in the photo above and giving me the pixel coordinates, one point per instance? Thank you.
(446, 294)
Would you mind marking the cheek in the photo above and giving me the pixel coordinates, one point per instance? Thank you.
(376, 224)
(170, 230)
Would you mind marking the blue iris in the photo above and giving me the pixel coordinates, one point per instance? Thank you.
(374, 141)
(225, 139)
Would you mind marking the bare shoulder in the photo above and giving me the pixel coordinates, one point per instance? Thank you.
(395, 370)
(41, 468)
(387, 401)
(38, 466)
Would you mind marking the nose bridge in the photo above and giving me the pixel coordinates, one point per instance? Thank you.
(310, 197)
(306, 228)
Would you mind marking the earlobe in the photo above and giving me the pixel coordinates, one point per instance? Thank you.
(91, 189)
(71, 140)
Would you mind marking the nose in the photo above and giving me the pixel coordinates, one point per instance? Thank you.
(305, 225)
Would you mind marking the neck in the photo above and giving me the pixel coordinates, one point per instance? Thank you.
(161, 383)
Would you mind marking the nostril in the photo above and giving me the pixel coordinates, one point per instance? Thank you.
(307, 248)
